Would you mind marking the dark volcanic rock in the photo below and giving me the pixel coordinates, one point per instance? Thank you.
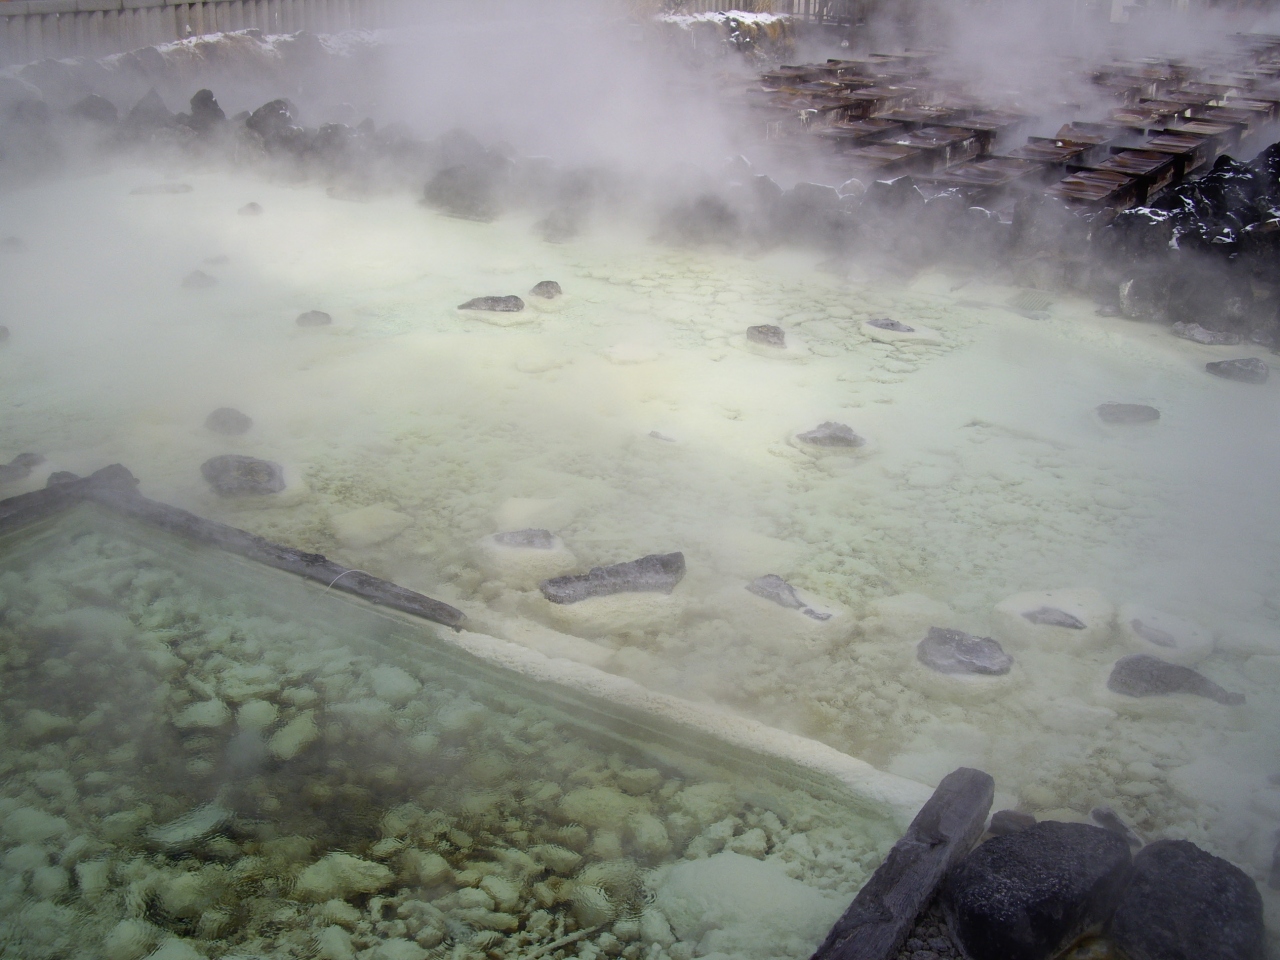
(467, 191)
(1199, 334)
(228, 421)
(1186, 904)
(251, 209)
(96, 109)
(773, 587)
(20, 467)
(768, 335)
(273, 120)
(1127, 413)
(232, 475)
(314, 318)
(61, 476)
(884, 323)
(1142, 675)
(546, 289)
(199, 280)
(509, 304)
(832, 434)
(656, 573)
(205, 112)
(1108, 819)
(1010, 821)
(954, 651)
(533, 539)
(707, 219)
(149, 112)
(1273, 876)
(1246, 370)
(1027, 895)
(1053, 617)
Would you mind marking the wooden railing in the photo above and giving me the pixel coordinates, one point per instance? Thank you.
(35, 29)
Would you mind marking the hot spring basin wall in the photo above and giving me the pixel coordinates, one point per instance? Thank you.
(207, 751)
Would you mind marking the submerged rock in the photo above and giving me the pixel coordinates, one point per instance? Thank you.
(1027, 895)
(508, 304)
(832, 434)
(198, 280)
(314, 318)
(1245, 370)
(1127, 413)
(954, 651)
(1004, 822)
(1199, 334)
(531, 539)
(546, 289)
(228, 421)
(1108, 819)
(768, 335)
(772, 587)
(1053, 617)
(884, 323)
(232, 475)
(1142, 675)
(189, 829)
(251, 209)
(656, 573)
(20, 467)
(1186, 904)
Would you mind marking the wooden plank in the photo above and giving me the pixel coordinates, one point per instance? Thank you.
(882, 914)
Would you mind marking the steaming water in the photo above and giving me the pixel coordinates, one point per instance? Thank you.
(988, 472)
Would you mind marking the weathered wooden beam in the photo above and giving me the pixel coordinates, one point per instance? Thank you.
(882, 914)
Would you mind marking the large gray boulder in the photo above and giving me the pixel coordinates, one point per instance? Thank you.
(232, 475)
(1186, 904)
(1027, 895)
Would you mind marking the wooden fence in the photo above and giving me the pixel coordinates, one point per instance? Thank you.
(35, 29)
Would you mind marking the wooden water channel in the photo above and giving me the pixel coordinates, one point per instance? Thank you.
(35, 29)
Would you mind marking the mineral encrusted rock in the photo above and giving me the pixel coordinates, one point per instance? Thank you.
(833, 435)
(546, 289)
(1027, 895)
(314, 318)
(897, 326)
(954, 651)
(531, 539)
(1186, 904)
(233, 475)
(1244, 370)
(656, 573)
(772, 587)
(1053, 617)
(1142, 675)
(1127, 413)
(508, 304)
(228, 421)
(1199, 334)
(767, 335)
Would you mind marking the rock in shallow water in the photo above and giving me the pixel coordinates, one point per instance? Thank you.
(832, 434)
(773, 587)
(1026, 895)
(314, 318)
(1245, 370)
(768, 335)
(1186, 904)
(1199, 334)
(1127, 413)
(228, 421)
(656, 573)
(509, 304)
(1142, 675)
(896, 326)
(954, 651)
(232, 475)
(547, 290)
(1053, 617)
(531, 539)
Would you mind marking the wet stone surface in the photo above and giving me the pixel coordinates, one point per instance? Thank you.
(767, 335)
(832, 434)
(228, 421)
(957, 652)
(1127, 413)
(530, 539)
(547, 290)
(1053, 617)
(897, 326)
(1010, 821)
(1244, 370)
(656, 573)
(772, 587)
(508, 304)
(1199, 334)
(232, 475)
(314, 318)
(1142, 675)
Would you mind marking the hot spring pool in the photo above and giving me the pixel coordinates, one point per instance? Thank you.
(633, 417)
